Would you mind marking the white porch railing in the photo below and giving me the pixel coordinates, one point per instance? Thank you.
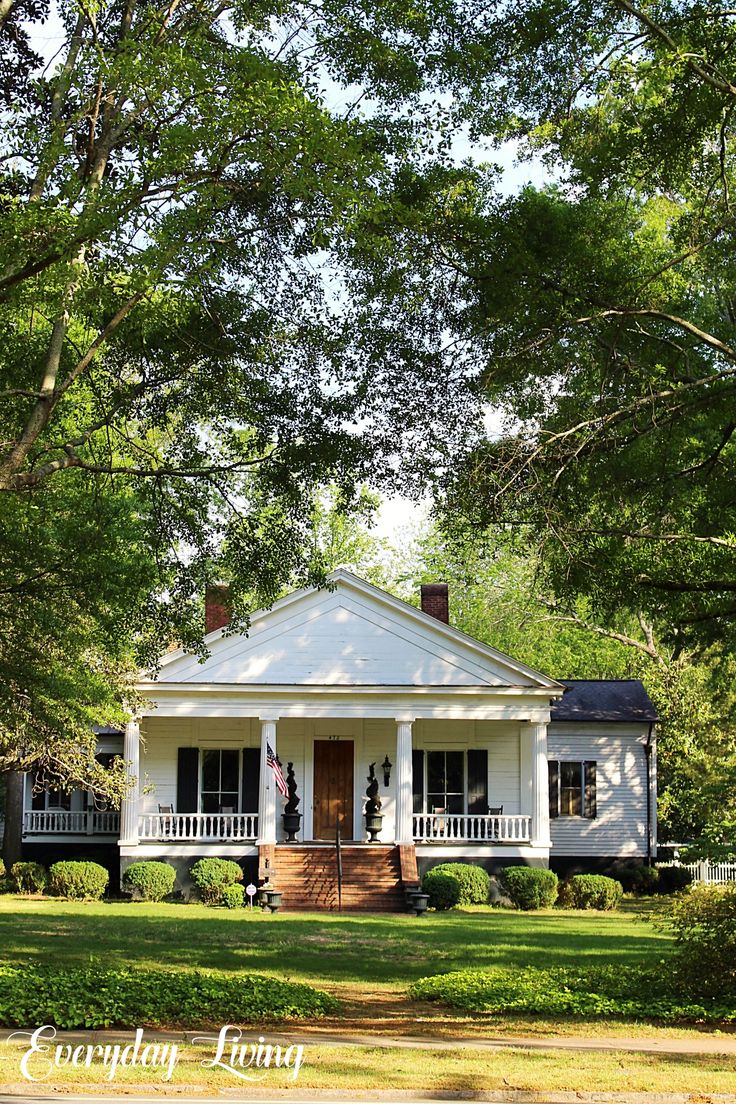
(198, 826)
(38, 822)
(475, 829)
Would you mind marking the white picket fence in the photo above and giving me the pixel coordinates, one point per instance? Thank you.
(711, 873)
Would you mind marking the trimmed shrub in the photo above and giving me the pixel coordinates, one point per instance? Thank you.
(635, 877)
(529, 887)
(472, 881)
(2, 869)
(151, 881)
(443, 889)
(233, 896)
(590, 891)
(703, 922)
(94, 996)
(210, 876)
(591, 991)
(673, 879)
(29, 877)
(80, 881)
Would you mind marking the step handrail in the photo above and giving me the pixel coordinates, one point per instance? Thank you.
(338, 860)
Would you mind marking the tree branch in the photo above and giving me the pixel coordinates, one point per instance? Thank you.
(690, 60)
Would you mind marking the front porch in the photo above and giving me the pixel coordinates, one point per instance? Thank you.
(458, 780)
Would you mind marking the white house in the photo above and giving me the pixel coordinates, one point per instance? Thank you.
(477, 756)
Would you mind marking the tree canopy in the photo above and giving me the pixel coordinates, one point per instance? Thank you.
(181, 368)
(597, 313)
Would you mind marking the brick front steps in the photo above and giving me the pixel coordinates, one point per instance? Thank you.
(306, 874)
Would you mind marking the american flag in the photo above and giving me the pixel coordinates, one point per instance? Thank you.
(273, 762)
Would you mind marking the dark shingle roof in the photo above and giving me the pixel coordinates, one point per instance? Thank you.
(603, 700)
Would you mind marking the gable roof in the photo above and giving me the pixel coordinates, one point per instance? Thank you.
(604, 700)
(350, 633)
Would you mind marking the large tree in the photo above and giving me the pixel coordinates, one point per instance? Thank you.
(599, 313)
(181, 186)
(178, 201)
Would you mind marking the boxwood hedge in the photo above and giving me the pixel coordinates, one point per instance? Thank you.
(529, 887)
(79, 881)
(96, 996)
(211, 875)
(29, 877)
(590, 891)
(151, 881)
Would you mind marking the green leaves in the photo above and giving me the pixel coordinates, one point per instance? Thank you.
(592, 991)
(96, 996)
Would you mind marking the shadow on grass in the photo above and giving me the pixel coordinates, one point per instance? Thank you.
(363, 949)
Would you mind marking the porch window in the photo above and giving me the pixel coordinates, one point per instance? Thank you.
(48, 793)
(220, 781)
(572, 788)
(446, 781)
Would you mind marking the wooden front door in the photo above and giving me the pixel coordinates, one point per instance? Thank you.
(333, 788)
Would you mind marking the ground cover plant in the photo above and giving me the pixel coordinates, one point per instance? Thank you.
(592, 992)
(98, 996)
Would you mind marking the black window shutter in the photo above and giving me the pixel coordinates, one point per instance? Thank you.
(251, 780)
(554, 789)
(187, 780)
(477, 782)
(591, 803)
(417, 771)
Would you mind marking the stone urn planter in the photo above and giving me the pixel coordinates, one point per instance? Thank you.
(292, 822)
(373, 814)
(274, 897)
(290, 816)
(262, 896)
(373, 825)
(418, 903)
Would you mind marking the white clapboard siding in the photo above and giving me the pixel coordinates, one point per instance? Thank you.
(347, 637)
(502, 741)
(163, 736)
(620, 828)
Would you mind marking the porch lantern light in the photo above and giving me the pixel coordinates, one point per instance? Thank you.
(386, 770)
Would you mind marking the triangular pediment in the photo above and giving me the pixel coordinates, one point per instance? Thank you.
(349, 635)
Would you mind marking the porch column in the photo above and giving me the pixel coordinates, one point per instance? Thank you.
(129, 803)
(540, 785)
(267, 784)
(404, 781)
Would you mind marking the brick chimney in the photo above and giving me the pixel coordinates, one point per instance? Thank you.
(436, 601)
(216, 607)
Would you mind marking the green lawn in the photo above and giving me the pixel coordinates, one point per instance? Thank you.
(326, 949)
(368, 962)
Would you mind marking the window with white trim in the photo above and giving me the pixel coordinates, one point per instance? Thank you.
(220, 780)
(572, 788)
(446, 782)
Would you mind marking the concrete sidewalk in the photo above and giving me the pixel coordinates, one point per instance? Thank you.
(724, 1044)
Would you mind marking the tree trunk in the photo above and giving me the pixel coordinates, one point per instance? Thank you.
(13, 818)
